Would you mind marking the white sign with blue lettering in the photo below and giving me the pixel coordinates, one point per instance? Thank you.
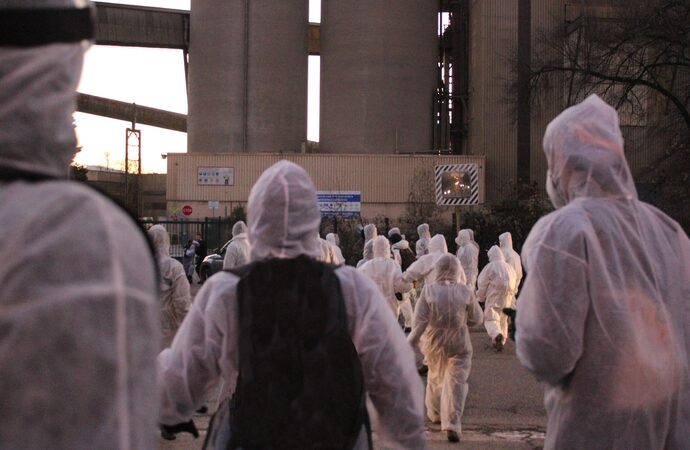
(339, 203)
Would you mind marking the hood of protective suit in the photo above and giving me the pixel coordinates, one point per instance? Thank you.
(438, 244)
(399, 242)
(463, 238)
(332, 238)
(584, 150)
(506, 240)
(38, 98)
(448, 268)
(495, 254)
(239, 228)
(392, 231)
(370, 232)
(161, 241)
(283, 214)
(381, 247)
(423, 231)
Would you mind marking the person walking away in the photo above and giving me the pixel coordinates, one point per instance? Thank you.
(175, 299)
(327, 252)
(80, 324)
(424, 238)
(386, 274)
(201, 253)
(444, 313)
(332, 239)
(474, 241)
(604, 310)
(404, 256)
(238, 250)
(512, 257)
(188, 260)
(367, 254)
(468, 255)
(495, 289)
(224, 334)
(422, 269)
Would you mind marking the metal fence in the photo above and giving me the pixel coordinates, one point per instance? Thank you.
(216, 232)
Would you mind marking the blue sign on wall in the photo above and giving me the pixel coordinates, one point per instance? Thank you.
(339, 203)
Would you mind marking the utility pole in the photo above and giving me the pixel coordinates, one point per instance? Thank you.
(132, 197)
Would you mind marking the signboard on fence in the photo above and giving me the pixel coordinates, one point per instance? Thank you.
(457, 184)
(340, 203)
(215, 176)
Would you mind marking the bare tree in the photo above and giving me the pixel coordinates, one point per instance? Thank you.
(636, 55)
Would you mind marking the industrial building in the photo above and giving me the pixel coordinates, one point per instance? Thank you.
(404, 78)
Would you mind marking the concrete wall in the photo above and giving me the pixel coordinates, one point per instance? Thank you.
(248, 76)
(378, 75)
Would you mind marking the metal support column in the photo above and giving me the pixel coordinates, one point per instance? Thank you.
(459, 23)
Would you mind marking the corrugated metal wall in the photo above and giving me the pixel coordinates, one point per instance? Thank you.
(493, 48)
(547, 17)
(492, 130)
(383, 179)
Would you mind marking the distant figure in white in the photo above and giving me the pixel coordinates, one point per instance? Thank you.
(237, 251)
(496, 288)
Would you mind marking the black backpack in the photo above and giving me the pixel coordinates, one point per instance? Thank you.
(300, 383)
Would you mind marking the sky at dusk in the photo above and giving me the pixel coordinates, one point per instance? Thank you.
(155, 78)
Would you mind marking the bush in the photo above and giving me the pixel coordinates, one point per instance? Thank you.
(521, 207)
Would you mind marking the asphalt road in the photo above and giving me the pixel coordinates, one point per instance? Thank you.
(504, 408)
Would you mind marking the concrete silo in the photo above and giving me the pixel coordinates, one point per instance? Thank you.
(378, 75)
(247, 76)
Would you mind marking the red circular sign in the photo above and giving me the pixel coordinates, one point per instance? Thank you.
(187, 210)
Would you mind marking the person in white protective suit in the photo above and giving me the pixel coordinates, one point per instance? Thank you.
(327, 252)
(495, 289)
(386, 274)
(469, 257)
(370, 232)
(423, 241)
(505, 240)
(423, 268)
(80, 325)
(283, 220)
(474, 242)
(367, 254)
(404, 257)
(237, 251)
(175, 299)
(446, 308)
(603, 318)
(332, 239)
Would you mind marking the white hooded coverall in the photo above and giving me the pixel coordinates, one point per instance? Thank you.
(386, 274)
(424, 237)
(445, 310)
(423, 268)
(367, 254)
(175, 299)
(80, 323)
(283, 218)
(496, 284)
(604, 314)
(469, 257)
(338, 259)
(237, 251)
(512, 257)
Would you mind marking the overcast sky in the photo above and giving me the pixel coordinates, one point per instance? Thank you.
(150, 77)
